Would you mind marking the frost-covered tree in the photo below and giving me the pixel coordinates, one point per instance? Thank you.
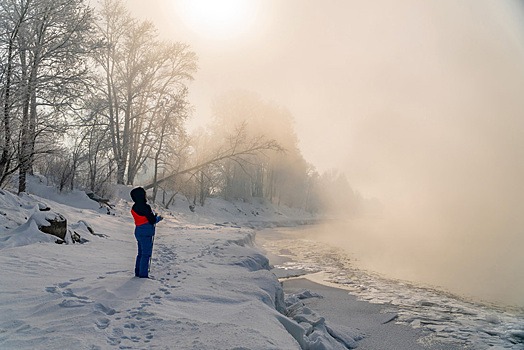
(46, 44)
(170, 141)
(278, 176)
(237, 146)
(12, 16)
(143, 78)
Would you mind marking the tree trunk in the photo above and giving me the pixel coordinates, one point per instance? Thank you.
(155, 177)
(113, 121)
(125, 141)
(203, 192)
(24, 132)
(5, 158)
(32, 123)
(28, 134)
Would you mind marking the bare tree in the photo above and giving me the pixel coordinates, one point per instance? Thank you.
(94, 130)
(238, 147)
(162, 104)
(279, 177)
(52, 40)
(12, 16)
(115, 21)
(141, 74)
(170, 139)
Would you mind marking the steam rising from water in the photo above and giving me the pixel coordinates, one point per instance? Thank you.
(443, 150)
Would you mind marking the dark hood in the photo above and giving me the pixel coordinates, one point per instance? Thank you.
(138, 195)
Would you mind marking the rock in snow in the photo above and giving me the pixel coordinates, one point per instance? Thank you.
(54, 224)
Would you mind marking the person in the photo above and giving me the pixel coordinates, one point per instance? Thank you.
(145, 221)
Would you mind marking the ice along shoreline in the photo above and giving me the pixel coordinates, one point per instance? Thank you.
(448, 318)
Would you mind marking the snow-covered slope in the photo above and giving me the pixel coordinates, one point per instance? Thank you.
(211, 288)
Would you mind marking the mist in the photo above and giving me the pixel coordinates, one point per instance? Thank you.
(437, 136)
(419, 103)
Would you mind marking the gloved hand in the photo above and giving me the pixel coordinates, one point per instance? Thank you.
(159, 218)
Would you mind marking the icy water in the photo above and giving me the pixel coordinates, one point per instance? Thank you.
(449, 318)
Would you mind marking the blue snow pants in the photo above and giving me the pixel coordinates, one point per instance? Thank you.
(144, 237)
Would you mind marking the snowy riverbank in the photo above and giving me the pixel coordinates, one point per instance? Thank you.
(211, 287)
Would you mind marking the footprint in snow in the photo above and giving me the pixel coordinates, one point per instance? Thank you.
(69, 294)
(102, 323)
(51, 289)
(76, 279)
(165, 291)
(117, 336)
(104, 309)
(73, 303)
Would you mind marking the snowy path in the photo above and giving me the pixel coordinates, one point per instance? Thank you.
(208, 291)
(210, 287)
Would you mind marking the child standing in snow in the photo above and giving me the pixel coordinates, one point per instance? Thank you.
(145, 221)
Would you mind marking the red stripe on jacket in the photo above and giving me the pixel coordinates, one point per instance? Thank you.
(139, 219)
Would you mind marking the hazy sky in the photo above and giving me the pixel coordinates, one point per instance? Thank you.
(363, 79)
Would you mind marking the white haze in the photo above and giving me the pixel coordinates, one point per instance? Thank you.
(421, 103)
(440, 140)
(442, 146)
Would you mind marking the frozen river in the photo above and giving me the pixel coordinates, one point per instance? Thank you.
(449, 317)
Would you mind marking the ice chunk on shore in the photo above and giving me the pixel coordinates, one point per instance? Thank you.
(311, 330)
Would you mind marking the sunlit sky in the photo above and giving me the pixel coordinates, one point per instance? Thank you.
(224, 20)
(358, 75)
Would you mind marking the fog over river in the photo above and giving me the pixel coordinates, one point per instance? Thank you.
(477, 269)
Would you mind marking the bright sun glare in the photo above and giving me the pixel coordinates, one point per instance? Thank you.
(219, 19)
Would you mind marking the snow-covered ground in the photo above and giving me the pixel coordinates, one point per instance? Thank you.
(210, 287)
